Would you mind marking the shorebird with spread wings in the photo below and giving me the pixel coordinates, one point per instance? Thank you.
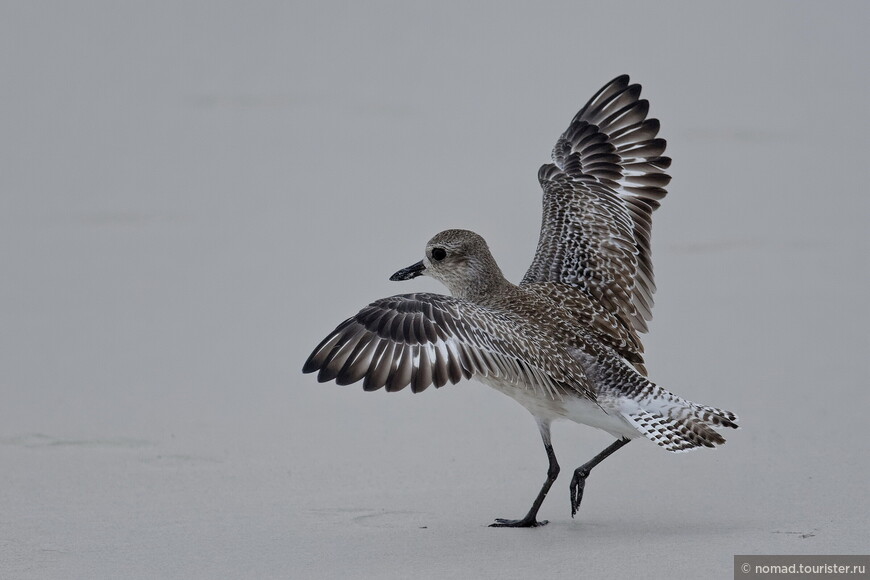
(564, 342)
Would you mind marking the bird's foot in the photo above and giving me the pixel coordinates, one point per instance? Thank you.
(526, 522)
(578, 484)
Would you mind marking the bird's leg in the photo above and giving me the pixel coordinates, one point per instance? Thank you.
(578, 482)
(530, 519)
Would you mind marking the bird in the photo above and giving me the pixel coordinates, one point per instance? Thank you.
(565, 342)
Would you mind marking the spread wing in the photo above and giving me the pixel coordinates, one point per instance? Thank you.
(424, 339)
(606, 179)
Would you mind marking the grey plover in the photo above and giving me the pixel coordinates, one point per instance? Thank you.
(564, 342)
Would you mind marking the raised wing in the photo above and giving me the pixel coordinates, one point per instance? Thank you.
(599, 194)
(424, 339)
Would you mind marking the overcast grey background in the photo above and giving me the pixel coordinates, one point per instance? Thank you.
(193, 194)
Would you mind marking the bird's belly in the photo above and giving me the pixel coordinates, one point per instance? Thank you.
(535, 399)
(574, 408)
(600, 415)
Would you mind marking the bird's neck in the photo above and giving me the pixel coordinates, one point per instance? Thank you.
(483, 289)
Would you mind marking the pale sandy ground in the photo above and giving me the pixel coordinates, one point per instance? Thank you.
(192, 196)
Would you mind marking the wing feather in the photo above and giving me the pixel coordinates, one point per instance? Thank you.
(430, 339)
(606, 179)
(423, 376)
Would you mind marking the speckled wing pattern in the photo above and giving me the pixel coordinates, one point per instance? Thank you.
(423, 339)
(606, 179)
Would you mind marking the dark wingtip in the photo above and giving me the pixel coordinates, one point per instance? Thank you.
(311, 365)
(621, 79)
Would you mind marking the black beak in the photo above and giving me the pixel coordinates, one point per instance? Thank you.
(409, 272)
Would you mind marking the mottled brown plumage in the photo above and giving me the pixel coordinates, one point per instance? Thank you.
(565, 342)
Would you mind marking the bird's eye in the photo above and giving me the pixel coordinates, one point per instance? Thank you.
(438, 254)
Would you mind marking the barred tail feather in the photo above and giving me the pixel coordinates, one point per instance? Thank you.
(717, 418)
(683, 429)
